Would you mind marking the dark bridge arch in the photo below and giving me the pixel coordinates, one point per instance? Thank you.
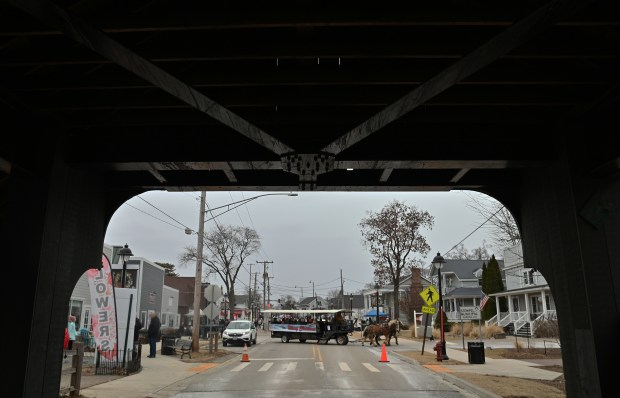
(519, 101)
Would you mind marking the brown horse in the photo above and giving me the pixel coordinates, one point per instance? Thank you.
(394, 327)
(373, 332)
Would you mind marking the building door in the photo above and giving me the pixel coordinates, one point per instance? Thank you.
(515, 304)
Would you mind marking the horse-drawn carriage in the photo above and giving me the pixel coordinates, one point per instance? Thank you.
(304, 325)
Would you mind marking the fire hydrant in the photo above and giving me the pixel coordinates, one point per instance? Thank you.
(438, 349)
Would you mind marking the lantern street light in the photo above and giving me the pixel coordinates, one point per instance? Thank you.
(377, 302)
(124, 253)
(438, 263)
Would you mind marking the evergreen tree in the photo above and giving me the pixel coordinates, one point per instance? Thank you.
(169, 269)
(446, 325)
(492, 283)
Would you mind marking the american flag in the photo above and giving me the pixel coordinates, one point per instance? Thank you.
(483, 301)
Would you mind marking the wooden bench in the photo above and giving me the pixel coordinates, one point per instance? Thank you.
(185, 346)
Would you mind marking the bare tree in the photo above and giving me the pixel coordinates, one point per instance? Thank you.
(504, 227)
(227, 248)
(460, 252)
(412, 302)
(394, 236)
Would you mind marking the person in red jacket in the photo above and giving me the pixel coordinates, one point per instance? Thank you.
(66, 342)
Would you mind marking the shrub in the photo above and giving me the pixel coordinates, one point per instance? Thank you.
(547, 328)
(491, 331)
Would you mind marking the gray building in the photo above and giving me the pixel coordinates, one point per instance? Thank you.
(170, 307)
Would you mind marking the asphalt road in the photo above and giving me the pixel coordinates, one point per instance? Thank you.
(309, 370)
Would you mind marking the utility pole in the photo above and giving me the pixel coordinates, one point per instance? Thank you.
(255, 281)
(250, 296)
(265, 276)
(269, 291)
(198, 277)
(341, 290)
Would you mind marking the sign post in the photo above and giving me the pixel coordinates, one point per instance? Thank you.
(430, 295)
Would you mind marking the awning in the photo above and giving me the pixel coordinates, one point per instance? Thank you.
(374, 313)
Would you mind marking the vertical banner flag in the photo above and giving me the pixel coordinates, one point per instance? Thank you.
(103, 311)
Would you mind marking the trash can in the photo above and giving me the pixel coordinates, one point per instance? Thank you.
(167, 345)
(475, 352)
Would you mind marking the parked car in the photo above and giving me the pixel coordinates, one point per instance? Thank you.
(239, 332)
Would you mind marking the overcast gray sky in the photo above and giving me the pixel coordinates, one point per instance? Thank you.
(309, 237)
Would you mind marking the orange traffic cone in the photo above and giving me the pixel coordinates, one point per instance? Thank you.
(245, 357)
(383, 354)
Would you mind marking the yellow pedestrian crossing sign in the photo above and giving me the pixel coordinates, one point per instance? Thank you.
(430, 295)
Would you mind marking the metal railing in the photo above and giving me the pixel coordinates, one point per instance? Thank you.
(129, 363)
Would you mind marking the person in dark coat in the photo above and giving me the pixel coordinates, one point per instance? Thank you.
(153, 333)
(136, 331)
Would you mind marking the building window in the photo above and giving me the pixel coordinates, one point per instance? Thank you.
(75, 309)
(170, 301)
(548, 301)
(528, 278)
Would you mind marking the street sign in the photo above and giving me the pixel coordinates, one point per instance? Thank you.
(213, 292)
(469, 313)
(430, 295)
(211, 311)
(428, 310)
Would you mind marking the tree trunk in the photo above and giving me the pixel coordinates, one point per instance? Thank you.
(396, 301)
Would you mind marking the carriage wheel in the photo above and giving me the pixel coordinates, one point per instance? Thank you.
(302, 340)
(284, 338)
(342, 339)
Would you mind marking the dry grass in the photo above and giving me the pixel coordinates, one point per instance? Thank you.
(472, 330)
(507, 387)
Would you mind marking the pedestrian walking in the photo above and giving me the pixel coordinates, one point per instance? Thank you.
(153, 334)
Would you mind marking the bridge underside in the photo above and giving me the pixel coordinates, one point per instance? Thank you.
(517, 99)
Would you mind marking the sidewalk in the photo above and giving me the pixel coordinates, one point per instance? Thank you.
(492, 367)
(164, 372)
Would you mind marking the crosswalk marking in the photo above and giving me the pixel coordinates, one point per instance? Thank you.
(320, 366)
(370, 367)
(266, 367)
(291, 366)
(241, 367)
(344, 367)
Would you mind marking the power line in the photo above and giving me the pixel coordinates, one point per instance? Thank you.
(150, 215)
(254, 227)
(474, 231)
(163, 212)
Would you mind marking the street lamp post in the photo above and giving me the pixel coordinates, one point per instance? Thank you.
(351, 303)
(124, 254)
(438, 262)
(377, 302)
(313, 296)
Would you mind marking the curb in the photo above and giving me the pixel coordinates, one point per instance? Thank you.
(478, 391)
